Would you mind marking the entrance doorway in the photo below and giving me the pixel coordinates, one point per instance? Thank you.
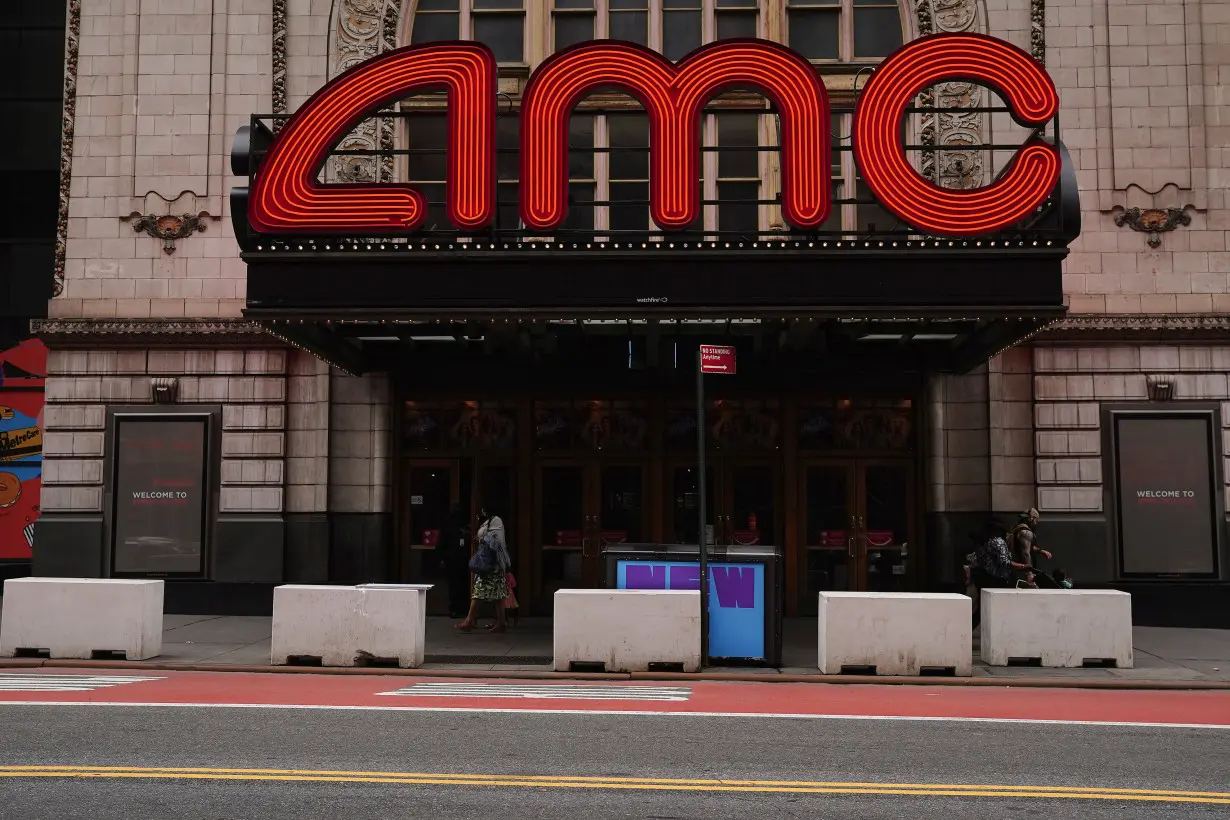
(582, 507)
(742, 500)
(857, 526)
(832, 482)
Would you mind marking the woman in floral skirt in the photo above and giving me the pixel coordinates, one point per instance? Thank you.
(492, 584)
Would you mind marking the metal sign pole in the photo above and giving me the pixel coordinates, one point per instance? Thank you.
(700, 484)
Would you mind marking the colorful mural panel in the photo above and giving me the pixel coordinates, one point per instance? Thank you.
(23, 376)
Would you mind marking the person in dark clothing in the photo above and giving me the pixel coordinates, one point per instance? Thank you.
(991, 566)
(1024, 547)
(454, 554)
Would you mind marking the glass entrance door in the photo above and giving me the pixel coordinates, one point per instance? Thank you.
(741, 504)
(559, 531)
(856, 527)
(582, 508)
(620, 506)
(683, 511)
(829, 525)
(432, 489)
(749, 505)
(886, 512)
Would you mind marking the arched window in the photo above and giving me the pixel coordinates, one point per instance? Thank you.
(609, 135)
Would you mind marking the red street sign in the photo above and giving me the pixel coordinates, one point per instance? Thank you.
(714, 359)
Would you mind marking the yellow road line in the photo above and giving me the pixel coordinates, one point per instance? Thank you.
(617, 783)
(464, 777)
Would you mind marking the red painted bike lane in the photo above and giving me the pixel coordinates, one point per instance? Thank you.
(675, 697)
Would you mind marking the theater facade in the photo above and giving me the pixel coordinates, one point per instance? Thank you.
(466, 256)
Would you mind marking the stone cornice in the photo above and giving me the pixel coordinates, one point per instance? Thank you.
(69, 333)
(1091, 326)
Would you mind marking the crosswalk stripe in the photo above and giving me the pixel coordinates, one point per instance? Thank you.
(75, 679)
(544, 691)
(17, 682)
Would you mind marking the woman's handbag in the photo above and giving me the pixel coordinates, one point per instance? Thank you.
(484, 560)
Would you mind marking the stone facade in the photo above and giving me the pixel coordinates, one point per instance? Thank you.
(1072, 384)
(162, 85)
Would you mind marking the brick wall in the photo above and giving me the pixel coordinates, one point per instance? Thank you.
(164, 84)
(162, 87)
(958, 446)
(250, 385)
(1071, 384)
(360, 444)
(307, 437)
(1144, 117)
(1010, 394)
(307, 48)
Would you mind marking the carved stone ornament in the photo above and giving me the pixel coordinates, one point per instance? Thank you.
(959, 163)
(954, 15)
(1037, 30)
(1153, 221)
(84, 333)
(68, 128)
(169, 227)
(1160, 386)
(165, 389)
(279, 60)
(360, 30)
(1083, 328)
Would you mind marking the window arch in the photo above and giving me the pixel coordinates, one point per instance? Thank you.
(609, 135)
(825, 31)
(501, 24)
(843, 30)
(672, 27)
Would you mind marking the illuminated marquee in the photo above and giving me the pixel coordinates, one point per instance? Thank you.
(287, 197)
(881, 157)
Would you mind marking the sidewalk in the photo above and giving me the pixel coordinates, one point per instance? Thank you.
(1162, 655)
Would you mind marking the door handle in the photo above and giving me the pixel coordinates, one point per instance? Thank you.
(851, 536)
(591, 522)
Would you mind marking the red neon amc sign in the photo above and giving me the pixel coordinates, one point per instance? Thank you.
(286, 197)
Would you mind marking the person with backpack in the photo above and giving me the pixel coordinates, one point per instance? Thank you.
(991, 566)
(1023, 544)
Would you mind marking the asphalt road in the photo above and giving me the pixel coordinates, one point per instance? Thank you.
(610, 747)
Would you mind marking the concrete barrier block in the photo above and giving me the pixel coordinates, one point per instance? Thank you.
(422, 589)
(347, 625)
(1057, 627)
(626, 630)
(895, 633)
(82, 617)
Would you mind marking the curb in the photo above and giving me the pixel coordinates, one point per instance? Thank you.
(726, 677)
(903, 680)
(155, 666)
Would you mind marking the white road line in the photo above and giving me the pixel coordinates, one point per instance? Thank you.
(19, 682)
(629, 712)
(546, 691)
